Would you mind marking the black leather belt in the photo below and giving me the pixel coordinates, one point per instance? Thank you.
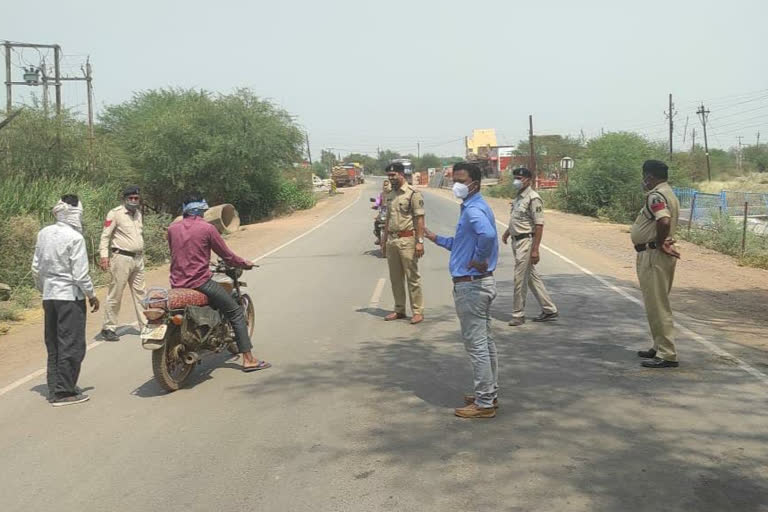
(642, 247)
(524, 235)
(465, 279)
(125, 253)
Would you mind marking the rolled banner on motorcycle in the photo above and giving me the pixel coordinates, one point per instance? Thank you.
(224, 217)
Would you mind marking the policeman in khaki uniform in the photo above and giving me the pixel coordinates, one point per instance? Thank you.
(526, 227)
(652, 235)
(122, 253)
(403, 243)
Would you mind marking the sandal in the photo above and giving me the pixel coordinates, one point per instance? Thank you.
(263, 365)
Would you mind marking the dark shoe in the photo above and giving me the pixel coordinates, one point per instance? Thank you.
(546, 317)
(70, 400)
(394, 316)
(647, 354)
(108, 335)
(515, 322)
(472, 411)
(470, 399)
(657, 362)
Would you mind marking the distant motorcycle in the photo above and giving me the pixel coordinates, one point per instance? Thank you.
(379, 221)
(182, 327)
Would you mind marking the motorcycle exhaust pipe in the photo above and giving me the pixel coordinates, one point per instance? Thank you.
(191, 358)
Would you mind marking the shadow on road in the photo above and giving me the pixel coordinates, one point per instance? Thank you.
(581, 425)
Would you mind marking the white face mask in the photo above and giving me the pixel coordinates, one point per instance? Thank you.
(460, 190)
(518, 184)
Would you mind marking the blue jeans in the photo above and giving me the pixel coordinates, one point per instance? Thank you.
(473, 306)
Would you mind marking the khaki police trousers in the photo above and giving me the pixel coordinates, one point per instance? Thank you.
(126, 271)
(655, 271)
(404, 266)
(526, 276)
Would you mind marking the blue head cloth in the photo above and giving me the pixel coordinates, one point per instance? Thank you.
(196, 208)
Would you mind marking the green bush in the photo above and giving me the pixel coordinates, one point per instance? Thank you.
(292, 196)
(231, 148)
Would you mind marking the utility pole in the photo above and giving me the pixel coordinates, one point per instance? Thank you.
(418, 150)
(693, 140)
(309, 152)
(757, 144)
(670, 114)
(738, 155)
(89, 83)
(8, 89)
(57, 76)
(685, 130)
(44, 74)
(704, 113)
(532, 158)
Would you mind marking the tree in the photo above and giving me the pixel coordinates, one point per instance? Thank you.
(607, 182)
(427, 161)
(230, 147)
(370, 163)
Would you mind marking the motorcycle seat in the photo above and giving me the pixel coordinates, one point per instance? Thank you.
(176, 298)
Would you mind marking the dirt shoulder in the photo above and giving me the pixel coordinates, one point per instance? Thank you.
(709, 287)
(22, 349)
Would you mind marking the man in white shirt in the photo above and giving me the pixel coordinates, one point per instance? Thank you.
(60, 267)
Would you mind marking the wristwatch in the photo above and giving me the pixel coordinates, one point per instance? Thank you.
(419, 240)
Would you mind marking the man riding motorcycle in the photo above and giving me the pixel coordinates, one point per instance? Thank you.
(191, 242)
(381, 204)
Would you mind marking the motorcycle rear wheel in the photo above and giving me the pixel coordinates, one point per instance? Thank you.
(169, 368)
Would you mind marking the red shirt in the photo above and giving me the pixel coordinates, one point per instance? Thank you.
(191, 242)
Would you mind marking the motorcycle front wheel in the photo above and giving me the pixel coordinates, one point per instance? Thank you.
(168, 364)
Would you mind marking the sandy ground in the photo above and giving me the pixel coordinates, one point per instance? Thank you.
(22, 349)
(709, 287)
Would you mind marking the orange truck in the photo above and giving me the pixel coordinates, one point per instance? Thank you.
(348, 175)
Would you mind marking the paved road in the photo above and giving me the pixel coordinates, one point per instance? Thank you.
(356, 414)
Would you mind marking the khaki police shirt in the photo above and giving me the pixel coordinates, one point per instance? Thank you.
(527, 212)
(404, 205)
(122, 231)
(659, 203)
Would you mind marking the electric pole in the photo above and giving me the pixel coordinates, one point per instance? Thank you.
(532, 158)
(89, 84)
(670, 114)
(738, 155)
(693, 140)
(704, 113)
(8, 89)
(685, 130)
(309, 152)
(757, 144)
(57, 76)
(418, 150)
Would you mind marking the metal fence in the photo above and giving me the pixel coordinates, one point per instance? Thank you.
(701, 210)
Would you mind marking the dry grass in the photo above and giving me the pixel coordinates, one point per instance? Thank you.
(757, 182)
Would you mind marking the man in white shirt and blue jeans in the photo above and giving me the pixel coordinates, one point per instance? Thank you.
(61, 271)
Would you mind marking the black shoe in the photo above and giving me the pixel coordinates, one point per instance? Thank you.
(647, 354)
(657, 362)
(546, 317)
(108, 335)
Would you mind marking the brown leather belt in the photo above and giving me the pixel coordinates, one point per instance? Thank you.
(403, 234)
(524, 235)
(465, 279)
(643, 247)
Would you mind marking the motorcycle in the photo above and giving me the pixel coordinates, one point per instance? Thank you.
(379, 221)
(182, 327)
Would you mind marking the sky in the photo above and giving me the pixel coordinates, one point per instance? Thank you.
(359, 75)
